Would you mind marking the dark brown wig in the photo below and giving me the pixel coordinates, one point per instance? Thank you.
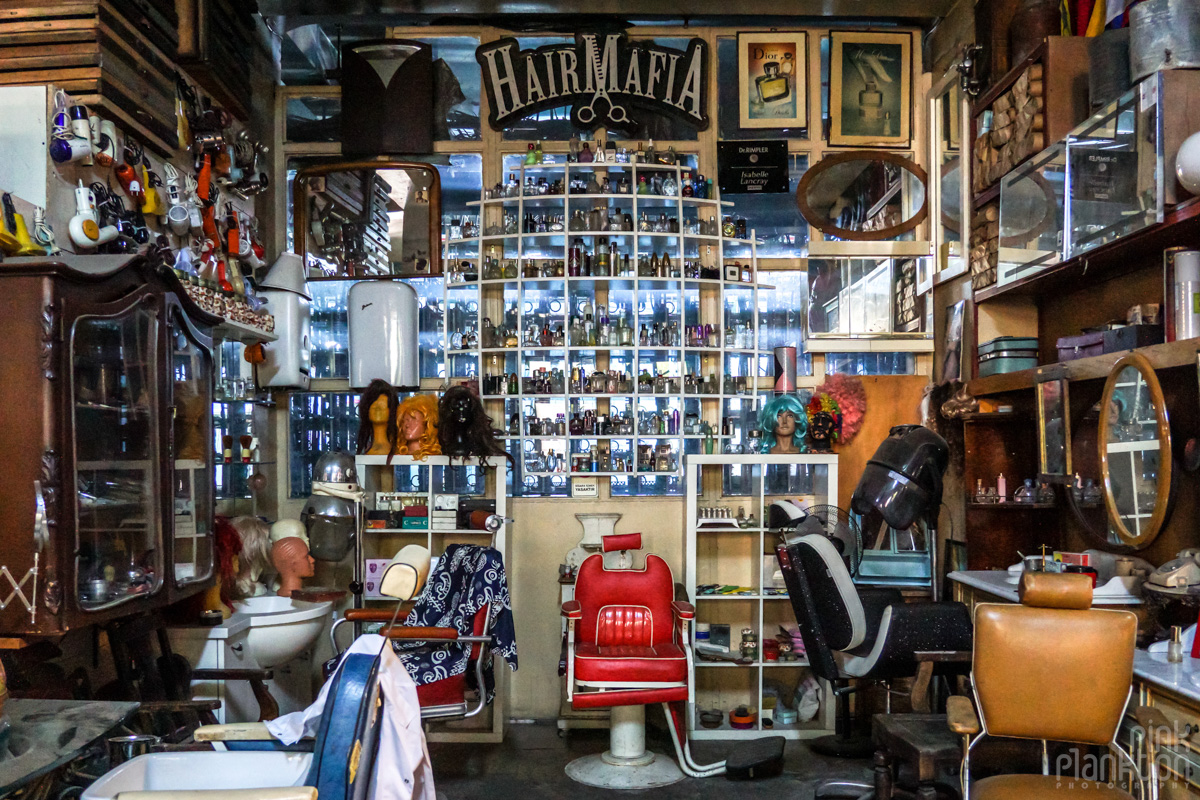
(366, 433)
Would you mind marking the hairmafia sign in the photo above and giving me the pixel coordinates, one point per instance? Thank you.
(601, 76)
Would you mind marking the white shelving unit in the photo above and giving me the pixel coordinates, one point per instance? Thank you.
(522, 302)
(442, 475)
(733, 556)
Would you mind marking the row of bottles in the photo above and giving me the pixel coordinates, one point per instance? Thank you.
(654, 185)
(599, 458)
(581, 152)
(590, 265)
(551, 381)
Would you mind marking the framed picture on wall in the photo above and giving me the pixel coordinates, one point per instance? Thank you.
(870, 89)
(772, 80)
(1054, 431)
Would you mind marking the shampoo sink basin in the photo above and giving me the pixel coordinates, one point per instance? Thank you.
(282, 628)
(198, 770)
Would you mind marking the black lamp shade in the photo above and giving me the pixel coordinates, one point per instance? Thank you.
(903, 480)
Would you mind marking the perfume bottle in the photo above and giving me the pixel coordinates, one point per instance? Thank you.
(530, 156)
(771, 86)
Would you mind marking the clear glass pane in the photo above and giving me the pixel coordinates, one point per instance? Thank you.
(850, 296)
(775, 218)
(192, 367)
(317, 118)
(431, 352)
(321, 422)
(553, 124)
(115, 415)
(456, 87)
(870, 363)
(781, 313)
(330, 329)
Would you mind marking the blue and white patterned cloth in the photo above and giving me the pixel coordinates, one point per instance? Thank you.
(466, 578)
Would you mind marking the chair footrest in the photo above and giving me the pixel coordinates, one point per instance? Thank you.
(628, 697)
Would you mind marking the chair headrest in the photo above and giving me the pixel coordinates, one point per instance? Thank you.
(622, 541)
(1056, 590)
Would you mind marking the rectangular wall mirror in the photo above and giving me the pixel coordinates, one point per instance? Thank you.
(1054, 432)
(368, 219)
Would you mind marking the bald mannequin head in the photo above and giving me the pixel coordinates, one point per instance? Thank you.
(292, 561)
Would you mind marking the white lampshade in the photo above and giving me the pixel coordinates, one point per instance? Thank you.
(287, 274)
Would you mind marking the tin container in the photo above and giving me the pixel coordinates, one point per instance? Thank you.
(1163, 34)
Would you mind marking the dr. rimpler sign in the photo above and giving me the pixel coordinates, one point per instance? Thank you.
(603, 77)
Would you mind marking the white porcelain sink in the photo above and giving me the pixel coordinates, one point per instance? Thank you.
(202, 770)
(282, 628)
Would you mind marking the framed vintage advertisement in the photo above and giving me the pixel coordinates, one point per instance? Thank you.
(1054, 431)
(772, 80)
(870, 89)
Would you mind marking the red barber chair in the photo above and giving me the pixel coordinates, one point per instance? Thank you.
(628, 645)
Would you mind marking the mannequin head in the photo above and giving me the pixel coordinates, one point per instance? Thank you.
(418, 426)
(377, 408)
(290, 557)
(784, 423)
(256, 553)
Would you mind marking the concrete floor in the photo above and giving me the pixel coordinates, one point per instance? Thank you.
(528, 765)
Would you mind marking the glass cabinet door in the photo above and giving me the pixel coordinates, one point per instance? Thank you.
(114, 361)
(191, 403)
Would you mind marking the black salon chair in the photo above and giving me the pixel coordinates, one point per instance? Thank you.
(857, 634)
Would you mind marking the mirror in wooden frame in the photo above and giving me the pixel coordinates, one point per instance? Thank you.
(864, 195)
(1135, 452)
(366, 219)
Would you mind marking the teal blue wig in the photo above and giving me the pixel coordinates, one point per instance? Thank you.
(770, 414)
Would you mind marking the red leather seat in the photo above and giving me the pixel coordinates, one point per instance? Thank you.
(657, 663)
(627, 635)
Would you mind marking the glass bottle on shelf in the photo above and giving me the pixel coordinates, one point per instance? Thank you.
(512, 187)
(585, 155)
(728, 228)
(578, 221)
(670, 187)
(687, 190)
(651, 156)
(573, 148)
(643, 187)
(530, 155)
(538, 155)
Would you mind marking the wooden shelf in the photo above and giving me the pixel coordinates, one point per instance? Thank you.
(994, 416)
(1180, 226)
(1161, 356)
(1010, 505)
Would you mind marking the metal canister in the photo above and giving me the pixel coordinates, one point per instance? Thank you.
(124, 748)
(1163, 34)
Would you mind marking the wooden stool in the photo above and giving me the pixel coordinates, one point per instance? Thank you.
(922, 741)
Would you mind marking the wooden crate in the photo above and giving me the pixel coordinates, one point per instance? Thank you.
(217, 46)
(104, 57)
(1036, 104)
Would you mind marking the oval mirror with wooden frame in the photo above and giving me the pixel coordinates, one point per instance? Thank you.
(363, 219)
(864, 195)
(1134, 444)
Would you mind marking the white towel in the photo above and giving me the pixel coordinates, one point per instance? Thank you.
(403, 770)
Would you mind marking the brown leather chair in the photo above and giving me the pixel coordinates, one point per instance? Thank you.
(1052, 668)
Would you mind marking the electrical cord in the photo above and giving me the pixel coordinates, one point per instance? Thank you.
(42, 232)
(62, 122)
(135, 153)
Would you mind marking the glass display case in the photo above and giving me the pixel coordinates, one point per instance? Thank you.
(1103, 182)
(115, 413)
(107, 388)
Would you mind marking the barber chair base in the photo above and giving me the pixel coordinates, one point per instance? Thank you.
(599, 770)
(843, 747)
(627, 764)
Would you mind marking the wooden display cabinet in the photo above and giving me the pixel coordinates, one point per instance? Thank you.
(107, 504)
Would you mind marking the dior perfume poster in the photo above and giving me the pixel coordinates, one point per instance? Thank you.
(772, 80)
(870, 88)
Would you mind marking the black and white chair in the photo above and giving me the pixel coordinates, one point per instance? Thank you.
(856, 634)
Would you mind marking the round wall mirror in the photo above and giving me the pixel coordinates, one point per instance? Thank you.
(1135, 452)
(863, 195)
